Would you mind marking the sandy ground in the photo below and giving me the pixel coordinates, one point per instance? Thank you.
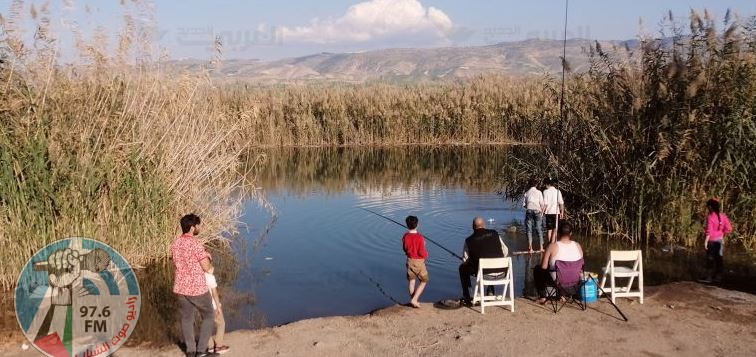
(675, 320)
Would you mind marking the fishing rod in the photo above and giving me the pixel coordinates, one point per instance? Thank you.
(426, 237)
(524, 252)
(564, 59)
(608, 298)
(562, 115)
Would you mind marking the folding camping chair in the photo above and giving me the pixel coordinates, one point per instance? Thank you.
(614, 271)
(569, 280)
(491, 279)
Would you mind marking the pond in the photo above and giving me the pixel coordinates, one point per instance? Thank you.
(325, 255)
(322, 254)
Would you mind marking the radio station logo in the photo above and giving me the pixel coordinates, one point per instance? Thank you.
(77, 297)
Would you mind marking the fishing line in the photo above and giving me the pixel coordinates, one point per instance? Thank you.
(563, 116)
(564, 58)
(426, 237)
(524, 252)
(379, 286)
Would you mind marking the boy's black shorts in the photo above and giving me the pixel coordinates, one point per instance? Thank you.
(551, 220)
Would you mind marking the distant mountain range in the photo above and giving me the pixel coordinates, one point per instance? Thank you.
(521, 58)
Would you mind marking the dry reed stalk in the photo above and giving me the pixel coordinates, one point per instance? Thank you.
(645, 145)
(107, 149)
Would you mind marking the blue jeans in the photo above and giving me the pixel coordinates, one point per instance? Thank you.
(533, 224)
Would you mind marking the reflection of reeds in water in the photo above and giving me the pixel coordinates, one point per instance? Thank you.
(661, 265)
(672, 262)
(301, 170)
(159, 318)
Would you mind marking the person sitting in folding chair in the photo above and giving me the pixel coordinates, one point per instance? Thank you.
(483, 243)
(561, 266)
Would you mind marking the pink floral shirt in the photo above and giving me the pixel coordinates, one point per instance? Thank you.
(189, 278)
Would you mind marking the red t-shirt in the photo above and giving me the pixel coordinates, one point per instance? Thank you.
(414, 246)
(189, 278)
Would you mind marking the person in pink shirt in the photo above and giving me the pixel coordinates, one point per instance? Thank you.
(717, 226)
(192, 261)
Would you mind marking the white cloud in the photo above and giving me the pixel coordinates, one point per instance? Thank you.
(375, 20)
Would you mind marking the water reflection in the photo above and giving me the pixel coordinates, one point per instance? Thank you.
(159, 319)
(379, 169)
(347, 261)
(322, 255)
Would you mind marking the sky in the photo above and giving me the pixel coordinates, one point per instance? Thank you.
(271, 30)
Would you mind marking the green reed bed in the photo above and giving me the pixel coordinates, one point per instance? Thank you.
(646, 141)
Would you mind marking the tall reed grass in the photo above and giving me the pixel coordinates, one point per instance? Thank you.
(646, 142)
(114, 148)
(492, 109)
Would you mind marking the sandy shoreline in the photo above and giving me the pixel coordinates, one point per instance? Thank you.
(675, 319)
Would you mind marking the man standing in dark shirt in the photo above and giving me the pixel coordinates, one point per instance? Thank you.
(483, 243)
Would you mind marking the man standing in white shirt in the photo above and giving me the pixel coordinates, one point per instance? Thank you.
(534, 208)
(554, 208)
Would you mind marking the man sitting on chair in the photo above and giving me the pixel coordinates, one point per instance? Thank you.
(565, 250)
(483, 243)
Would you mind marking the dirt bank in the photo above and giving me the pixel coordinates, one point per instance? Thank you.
(676, 319)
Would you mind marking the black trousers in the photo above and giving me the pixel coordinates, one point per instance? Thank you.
(542, 278)
(714, 260)
(467, 271)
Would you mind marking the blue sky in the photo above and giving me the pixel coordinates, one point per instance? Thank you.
(276, 29)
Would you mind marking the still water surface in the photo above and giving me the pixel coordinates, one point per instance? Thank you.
(323, 255)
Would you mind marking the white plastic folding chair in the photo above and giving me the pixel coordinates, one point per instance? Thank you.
(491, 279)
(629, 271)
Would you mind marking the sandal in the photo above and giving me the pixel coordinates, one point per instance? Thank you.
(221, 349)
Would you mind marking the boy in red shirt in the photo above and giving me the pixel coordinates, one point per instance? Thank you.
(414, 247)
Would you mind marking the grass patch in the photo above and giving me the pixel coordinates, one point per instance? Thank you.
(114, 148)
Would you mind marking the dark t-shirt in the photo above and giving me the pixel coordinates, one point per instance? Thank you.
(483, 243)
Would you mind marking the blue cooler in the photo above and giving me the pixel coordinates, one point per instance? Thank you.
(589, 291)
